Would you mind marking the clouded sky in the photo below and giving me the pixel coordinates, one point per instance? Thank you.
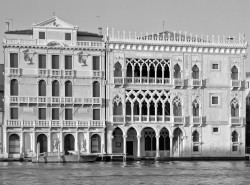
(212, 17)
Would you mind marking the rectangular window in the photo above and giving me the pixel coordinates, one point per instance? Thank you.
(68, 114)
(215, 100)
(195, 148)
(96, 62)
(215, 130)
(68, 62)
(42, 61)
(55, 113)
(41, 35)
(234, 148)
(13, 60)
(55, 61)
(96, 114)
(215, 66)
(67, 36)
(13, 113)
(42, 113)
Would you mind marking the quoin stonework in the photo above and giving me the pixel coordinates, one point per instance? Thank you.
(168, 94)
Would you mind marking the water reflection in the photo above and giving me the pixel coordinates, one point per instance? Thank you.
(143, 172)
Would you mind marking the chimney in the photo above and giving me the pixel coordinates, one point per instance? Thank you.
(100, 30)
(7, 26)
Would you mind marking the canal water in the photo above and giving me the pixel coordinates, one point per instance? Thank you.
(114, 173)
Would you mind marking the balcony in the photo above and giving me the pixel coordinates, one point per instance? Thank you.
(118, 119)
(146, 80)
(15, 72)
(178, 82)
(56, 73)
(54, 123)
(54, 100)
(141, 118)
(97, 74)
(68, 73)
(236, 84)
(196, 82)
(196, 120)
(118, 80)
(43, 72)
(179, 120)
(236, 121)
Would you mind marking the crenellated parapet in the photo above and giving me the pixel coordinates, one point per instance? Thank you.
(176, 42)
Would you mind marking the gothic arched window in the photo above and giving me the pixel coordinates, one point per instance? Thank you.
(234, 108)
(234, 73)
(195, 72)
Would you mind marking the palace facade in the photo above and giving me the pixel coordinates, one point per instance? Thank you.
(143, 95)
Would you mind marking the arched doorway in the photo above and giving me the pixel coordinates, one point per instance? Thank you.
(117, 144)
(164, 143)
(148, 142)
(95, 144)
(131, 145)
(177, 143)
(43, 142)
(14, 144)
(69, 143)
(27, 143)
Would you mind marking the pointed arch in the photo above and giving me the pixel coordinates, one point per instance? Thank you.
(234, 73)
(129, 70)
(118, 70)
(195, 106)
(177, 107)
(177, 71)
(195, 136)
(234, 108)
(195, 72)
(235, 136)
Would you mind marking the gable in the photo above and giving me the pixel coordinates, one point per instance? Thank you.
(55, 22)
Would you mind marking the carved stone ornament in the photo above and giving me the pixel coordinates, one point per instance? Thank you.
(28, 56)
(82, 58)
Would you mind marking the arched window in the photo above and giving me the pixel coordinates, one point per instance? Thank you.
(42, 88)
(159, 71)
(235, 136)
(117, 106)
(137, 71)
(177, 71)
(95, 144)
(129, 70)
(68, 89)
(195, 136)
(150, 140)
(128, 108)
(234, 108)
(164, 140)
(136, 108)
(14, 87)
(234, 73)
(144, 71)
(195, 72)
(167, 108)
(14, 144)
(177, 106)
(159, 108)
(144, 108)
(166, 71)
(152, 108)
(96, 89)
(195, 106)
(152, 71)
(118, 70)
(55, 88)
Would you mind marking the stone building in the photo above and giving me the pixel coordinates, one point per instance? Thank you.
(144, 95)
(176, 94)
(53, 90)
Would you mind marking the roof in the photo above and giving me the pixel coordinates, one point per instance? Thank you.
(21, 32)
(84, 33)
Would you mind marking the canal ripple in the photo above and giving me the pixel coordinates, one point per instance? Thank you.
(113, 173)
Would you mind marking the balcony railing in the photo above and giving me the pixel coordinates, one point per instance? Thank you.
(68, 73)
(15, 72)
(196, 82)
(179, 120)
(236, 84)
(54, 123)
(118, 118)
(56, 72)
(97, 73)
(236, 121)
(178, 82)
(196, 120)
(43, 72)
(118, 80)
(54, 100)
(146, 80)
(141, 118)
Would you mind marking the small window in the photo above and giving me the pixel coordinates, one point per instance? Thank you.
(215, 66)
(13, 113)
(68, 114)
(195, 148)
(96, 114)
(42, 61)
(13, 60)
(67, 36)
(41, 35)
(68, 62)
(234, 148)
(42, 114)
(215, 129)
(215, 100)
(55, 113)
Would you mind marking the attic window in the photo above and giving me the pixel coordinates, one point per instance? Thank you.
(41, 35)
(67, 36)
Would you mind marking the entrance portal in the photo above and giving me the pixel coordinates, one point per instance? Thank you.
(95, 144)
(69, 143)
(130, 148)
(42, 139)
(14, 144)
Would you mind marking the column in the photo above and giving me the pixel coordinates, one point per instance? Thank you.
(132, 112)
(157, 146)
(171, 146)
(61, 142)
(21, 144)
(156, 106)
(49, 142)
(5, 142)
(138, 146)
(34, 142)
(76, 142)
(103, 142)
(111, 144)
(148, 113)
(88, 143)
(133, 74)
(124, 111)
(125, 145)
(140, 107)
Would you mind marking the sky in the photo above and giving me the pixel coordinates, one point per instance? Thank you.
(206, 17)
